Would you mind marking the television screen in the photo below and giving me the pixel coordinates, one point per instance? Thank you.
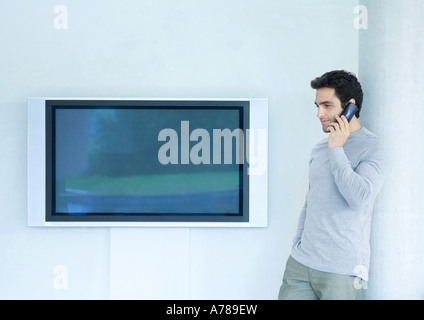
(140, 160)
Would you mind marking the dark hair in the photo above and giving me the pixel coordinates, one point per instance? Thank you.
(344, 83)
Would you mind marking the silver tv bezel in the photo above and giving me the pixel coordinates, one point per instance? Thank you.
(36, 170)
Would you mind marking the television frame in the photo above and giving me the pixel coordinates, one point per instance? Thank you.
(38, 149)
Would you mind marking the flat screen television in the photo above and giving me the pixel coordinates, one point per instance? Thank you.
(147, 162)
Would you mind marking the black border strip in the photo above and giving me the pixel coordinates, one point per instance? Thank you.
(52, 105)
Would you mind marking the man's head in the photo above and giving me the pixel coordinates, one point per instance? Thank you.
(335, 89)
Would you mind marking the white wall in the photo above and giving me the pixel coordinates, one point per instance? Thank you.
(165, 48)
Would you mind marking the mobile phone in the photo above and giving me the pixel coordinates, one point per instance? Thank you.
(349, 111)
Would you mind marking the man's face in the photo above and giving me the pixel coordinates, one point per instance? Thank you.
(329, 106)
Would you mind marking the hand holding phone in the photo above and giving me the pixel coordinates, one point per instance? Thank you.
(339, 131)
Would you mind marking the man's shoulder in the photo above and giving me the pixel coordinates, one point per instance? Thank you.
(365, 137)
(368, 134)
(368, 144)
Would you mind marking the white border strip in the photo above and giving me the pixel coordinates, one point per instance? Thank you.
(258, 184)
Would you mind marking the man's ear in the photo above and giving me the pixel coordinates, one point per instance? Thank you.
(352, 100)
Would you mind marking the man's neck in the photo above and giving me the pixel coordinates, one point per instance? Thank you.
(354, 125)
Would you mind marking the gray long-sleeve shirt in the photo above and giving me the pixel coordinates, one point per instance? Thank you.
(334, 226)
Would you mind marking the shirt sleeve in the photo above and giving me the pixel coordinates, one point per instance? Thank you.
(360, 186)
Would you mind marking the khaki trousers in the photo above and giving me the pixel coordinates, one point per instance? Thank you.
(303, 283)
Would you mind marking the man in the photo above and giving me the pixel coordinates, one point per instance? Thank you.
(331, 251)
